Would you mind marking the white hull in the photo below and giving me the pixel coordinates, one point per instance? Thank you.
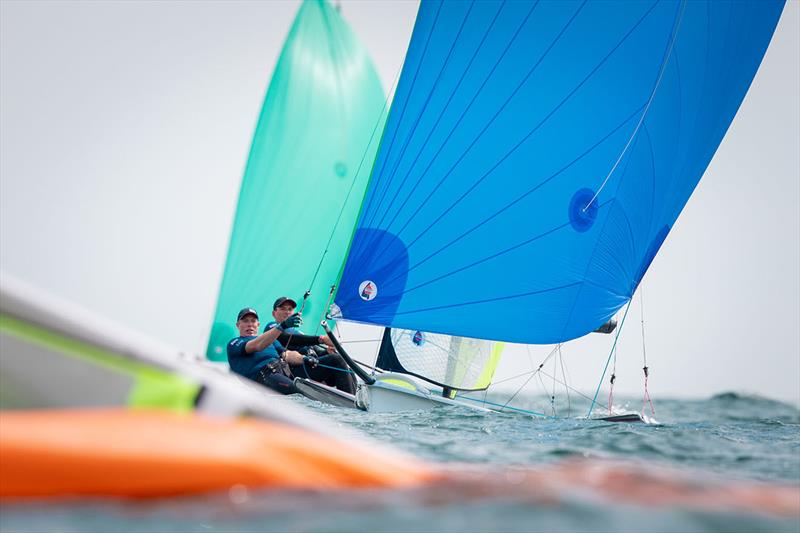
(323, 393)
(399, 392)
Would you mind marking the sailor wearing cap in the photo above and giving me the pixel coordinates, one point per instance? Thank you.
(256, 356)
(326, 366)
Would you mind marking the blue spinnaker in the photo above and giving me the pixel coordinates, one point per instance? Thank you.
(537, 155)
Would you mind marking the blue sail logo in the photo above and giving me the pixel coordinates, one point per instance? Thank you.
(367, 290)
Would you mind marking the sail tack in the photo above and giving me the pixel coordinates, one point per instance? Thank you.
(311, 151)
(537, 155)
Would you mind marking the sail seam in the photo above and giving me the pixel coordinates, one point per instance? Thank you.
(520, 198)
(408, 138)
(487, 300)
(663, 69)
(474, 97)
(485, 128)
(591, 257)
(399, 121)
(493, 256)
(526, 137)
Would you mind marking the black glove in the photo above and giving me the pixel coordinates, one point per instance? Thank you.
(293, 321)
(310, 360)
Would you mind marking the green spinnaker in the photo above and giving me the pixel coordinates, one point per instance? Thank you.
(313, 147)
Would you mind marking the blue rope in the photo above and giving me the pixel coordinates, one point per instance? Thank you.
(506, 407)
(619, 330)
(335, 368)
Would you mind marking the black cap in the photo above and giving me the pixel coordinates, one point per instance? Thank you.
(282, 300)
(246, 311)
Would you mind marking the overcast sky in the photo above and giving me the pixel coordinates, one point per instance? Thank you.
(124, 131)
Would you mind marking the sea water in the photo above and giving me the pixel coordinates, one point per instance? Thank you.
(723, 441)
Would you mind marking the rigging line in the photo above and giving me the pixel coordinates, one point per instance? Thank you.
(339, 335)
(613, 380)
(508, 206)
(568, 387)
(388, 150)
(641, 309)
(518, 409)
(541, 382)
(345, 370)
(451, 205)
(486, 127)
(518, 390)
(421, 112)
(299, 312)
(530, 359)
(646, 369)
(365, 365)
(616, 337)
(512, 378)
(564, 376)
(535, 372)
(324, 310)
(353, 181)
(553, 395)
(447, 105)
(377, 355)
(565, 382)
(663, 68)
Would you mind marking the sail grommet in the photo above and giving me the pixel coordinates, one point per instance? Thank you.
(340, 169)
(583, 210)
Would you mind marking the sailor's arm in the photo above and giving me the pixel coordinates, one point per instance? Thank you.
(298, 340)
(292, 357)
(269, 336)
(262, 341)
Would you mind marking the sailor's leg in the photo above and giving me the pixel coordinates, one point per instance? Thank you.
(278, 382)
(339, 375)
(303, 371)
(320, 373)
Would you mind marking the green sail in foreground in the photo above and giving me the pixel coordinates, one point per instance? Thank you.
(316, 137)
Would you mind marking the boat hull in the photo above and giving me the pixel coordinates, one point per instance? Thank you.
(398, 392)
(323, 393)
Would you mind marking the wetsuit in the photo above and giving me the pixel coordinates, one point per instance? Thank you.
(332, 370)
(262, 366)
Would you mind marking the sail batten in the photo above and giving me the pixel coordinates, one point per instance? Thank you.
(536, 157)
